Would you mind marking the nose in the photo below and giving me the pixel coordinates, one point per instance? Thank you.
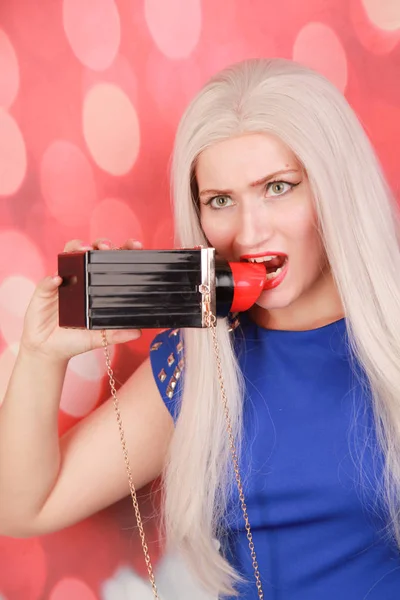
(254, 229)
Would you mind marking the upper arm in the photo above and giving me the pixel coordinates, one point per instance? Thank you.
(92, 472)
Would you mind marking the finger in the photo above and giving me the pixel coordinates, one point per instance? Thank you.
(76, 245)
(49, 285)
(120, 336)
(132, 244)
(103, 244)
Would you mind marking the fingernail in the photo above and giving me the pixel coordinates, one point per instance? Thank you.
(137, 244)
(105, 243)
(134, 333)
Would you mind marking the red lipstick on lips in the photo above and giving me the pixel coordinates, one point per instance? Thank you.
(270, 284)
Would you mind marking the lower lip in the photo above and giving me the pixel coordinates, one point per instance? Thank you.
(270, 284)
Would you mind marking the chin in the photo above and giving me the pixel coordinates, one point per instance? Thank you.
(270, 301)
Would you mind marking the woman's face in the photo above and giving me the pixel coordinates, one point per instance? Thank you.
(255, 204)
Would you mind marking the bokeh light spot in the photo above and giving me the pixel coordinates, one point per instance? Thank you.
(15, 295)
(69, 588)
(375, 39)
(111, 128)
(93, 29)
(67, 182)
(13, 161)
(83, 382)
(91, 365)
(318, 47)
(120, 73)
(9, 81)
(79, 395)
(19, 256)
(116, 220)
(174, 25)
(385, 14)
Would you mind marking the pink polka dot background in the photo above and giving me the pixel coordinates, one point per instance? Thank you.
(90, 95)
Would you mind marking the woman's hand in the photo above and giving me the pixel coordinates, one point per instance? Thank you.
(41, 333)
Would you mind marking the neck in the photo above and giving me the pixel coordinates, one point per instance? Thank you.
(320, 306)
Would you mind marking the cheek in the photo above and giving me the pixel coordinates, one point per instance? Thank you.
(302, 228)
(218, 231)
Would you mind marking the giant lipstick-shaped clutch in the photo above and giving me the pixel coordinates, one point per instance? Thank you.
(125, 289)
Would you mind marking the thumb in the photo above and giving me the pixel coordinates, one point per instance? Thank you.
(47, 287)
(120, 336)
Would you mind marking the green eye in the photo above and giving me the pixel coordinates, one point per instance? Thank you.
(219, 201)
(278, 188)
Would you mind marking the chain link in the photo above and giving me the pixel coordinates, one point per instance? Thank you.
(210, 321)
(132, 489)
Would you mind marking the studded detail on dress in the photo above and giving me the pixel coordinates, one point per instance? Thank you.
(168, 362)
(162, 376)
(155, 346)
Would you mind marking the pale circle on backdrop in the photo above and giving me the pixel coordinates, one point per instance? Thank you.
(15, 294)
(116, 220)
(67, 183)
(318, 46)
(111, 128)
(79, 395)
(91, 365)
(175, 25)
(385, 14)
(19, 255)
(93, 29)
(71, 587)
(119, 73)
(13, 159)
(9, 70)
(377, 40)
(83, 382)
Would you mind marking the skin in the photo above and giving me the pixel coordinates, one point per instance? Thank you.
(46, 483)
(255, 197)
(49, 483)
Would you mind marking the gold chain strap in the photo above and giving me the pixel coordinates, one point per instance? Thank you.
(128, 468)
(211, 321)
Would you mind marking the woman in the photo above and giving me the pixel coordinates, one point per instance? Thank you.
(270, 164)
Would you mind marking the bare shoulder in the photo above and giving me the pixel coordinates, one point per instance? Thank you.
(93, 473)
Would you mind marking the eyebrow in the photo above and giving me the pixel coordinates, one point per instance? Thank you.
(256, 183)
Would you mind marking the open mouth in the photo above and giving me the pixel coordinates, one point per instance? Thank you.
(274, 263)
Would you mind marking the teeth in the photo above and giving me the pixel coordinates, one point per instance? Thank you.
(261, 259)
(274, 273)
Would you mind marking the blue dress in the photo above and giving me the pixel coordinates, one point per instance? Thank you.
(310, 464)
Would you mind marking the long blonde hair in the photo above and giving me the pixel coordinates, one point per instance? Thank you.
(360, 231)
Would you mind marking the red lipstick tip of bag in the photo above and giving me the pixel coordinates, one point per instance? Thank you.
(248, 279)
